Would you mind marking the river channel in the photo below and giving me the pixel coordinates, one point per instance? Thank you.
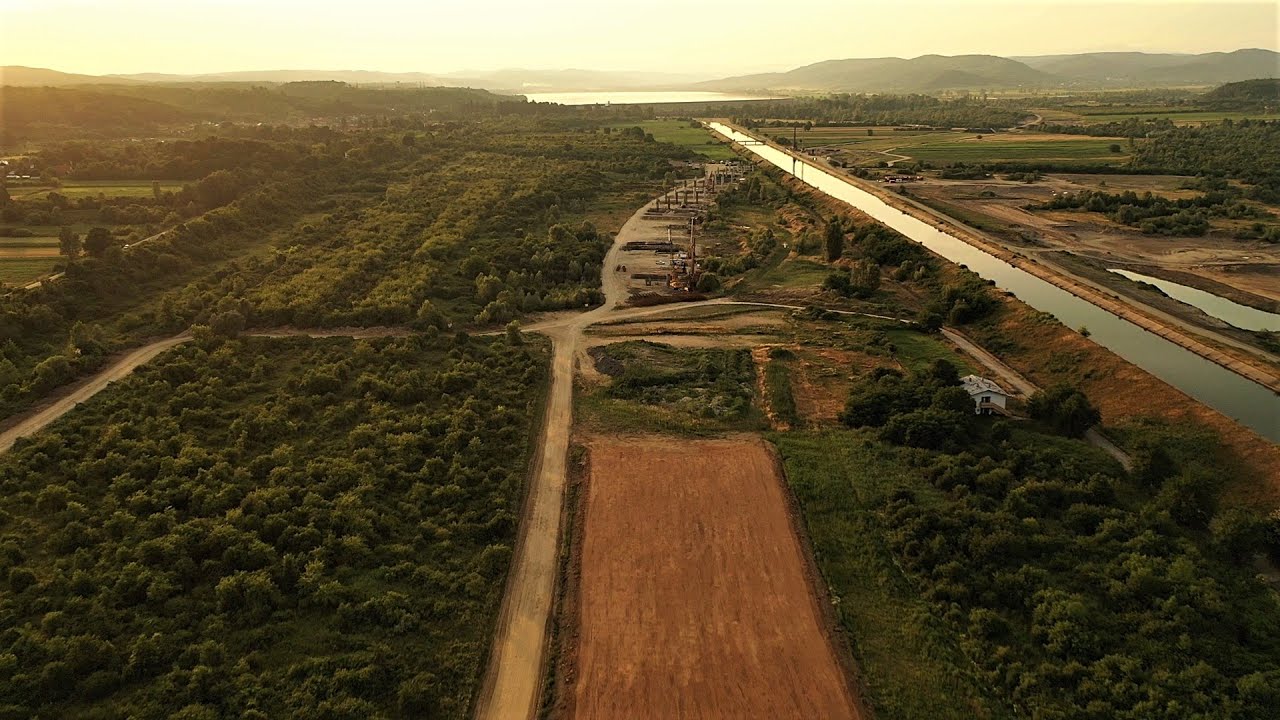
(1241, 316)
(1210, 383)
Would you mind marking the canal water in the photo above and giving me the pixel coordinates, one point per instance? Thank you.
(1241, 316)
(1231, 394)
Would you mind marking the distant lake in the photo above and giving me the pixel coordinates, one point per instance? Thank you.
(619, 97)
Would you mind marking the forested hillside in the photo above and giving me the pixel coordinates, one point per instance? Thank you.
(105, 111)
(271, 528)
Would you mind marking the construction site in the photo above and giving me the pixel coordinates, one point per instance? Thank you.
(664, 263)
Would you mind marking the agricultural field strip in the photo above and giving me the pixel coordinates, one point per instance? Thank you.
(699, 582)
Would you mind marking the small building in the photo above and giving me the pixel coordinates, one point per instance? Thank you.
(987, 396)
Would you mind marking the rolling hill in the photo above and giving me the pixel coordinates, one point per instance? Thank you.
(933, 73)
(927, 73)
(1135, 68)
(21, 76)
(525, 80)
(924, 74)
(1244, 95)
(354, 77)
(515, 79)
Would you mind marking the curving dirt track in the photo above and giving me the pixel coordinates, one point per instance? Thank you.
(695, 598)
(24, 425)
(36, 421)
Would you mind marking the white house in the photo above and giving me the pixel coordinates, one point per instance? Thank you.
(987, 396)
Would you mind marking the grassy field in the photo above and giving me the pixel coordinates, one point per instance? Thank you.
(918, 351)
(678, 132)
(944, 147)
(20, 271)
(38, 241)
(660, 388)
(826, 136)
(908, 662)
(1105, 113)
(968, 149)
(777, 383)
(110, 188)
(796, 272)
(46, 231)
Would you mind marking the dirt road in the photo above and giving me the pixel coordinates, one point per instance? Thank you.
(85, 390)
(513, 679)
(37, 420)
(695, 597)
(1026, 388)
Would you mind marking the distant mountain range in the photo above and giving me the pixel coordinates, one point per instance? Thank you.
(934, 73)
(522, 80)
(924, 74)
(355, 77)
(512, 80)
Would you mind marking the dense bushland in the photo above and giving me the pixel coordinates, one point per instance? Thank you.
(843, 109)
(268, 528)
(1247, 150)
(106, 111)
(1159, 215)
(704, 383)
(467, 223)
(1072, 588)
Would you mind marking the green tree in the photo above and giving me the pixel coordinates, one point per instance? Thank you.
(944, 372)
(218, 188)
(864, 278)
(227, 324)
(1065, 408)
(68, 243)
(834, 239)
(513, 333)
(1152, 464)
(97, 241)
(1240, 532)
(418, 696)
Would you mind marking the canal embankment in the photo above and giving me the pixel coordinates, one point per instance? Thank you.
(1071, 284)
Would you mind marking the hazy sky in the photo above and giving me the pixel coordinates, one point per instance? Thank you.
(701, 36)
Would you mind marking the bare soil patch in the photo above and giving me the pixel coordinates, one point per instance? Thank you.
(695, 326)
(999, 205)
(821, 381)
(30, 252)
(695, 598)
(688, 341)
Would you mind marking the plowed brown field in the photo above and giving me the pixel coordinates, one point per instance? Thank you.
(695, 599)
